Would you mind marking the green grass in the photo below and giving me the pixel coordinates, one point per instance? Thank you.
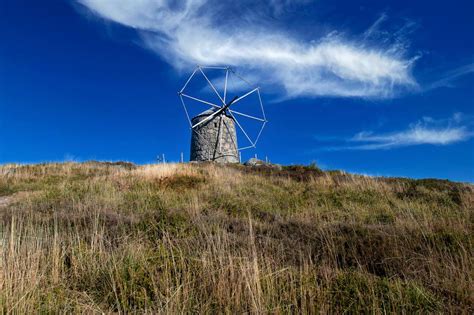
(114, 237)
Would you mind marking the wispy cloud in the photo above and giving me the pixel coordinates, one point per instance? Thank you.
(448, 79)
(195, 32)
(280, 6)
(375, 27)
(426, 131)
(413, 136)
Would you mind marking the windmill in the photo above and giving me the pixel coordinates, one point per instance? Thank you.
(214, 133)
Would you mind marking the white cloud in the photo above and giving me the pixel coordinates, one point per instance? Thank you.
(279, 6)
(427, 131)
(448, 79)
(374, 28)
(413, 136)
(193, 32)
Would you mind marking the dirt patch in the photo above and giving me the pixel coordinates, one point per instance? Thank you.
(5, 201)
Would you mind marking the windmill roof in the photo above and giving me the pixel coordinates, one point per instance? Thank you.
(210, 111)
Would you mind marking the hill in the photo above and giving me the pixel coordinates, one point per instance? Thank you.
(115, 237)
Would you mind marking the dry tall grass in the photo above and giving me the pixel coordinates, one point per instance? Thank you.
(100, 238)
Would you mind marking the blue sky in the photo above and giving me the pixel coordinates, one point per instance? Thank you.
(373, 87)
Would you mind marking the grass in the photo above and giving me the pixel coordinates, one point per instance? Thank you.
(173, 238)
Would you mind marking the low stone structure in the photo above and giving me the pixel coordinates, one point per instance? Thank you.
(254, 162)
(214, 140)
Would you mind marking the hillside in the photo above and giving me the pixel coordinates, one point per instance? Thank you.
(115, 237)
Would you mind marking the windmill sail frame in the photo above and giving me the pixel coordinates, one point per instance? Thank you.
(222, 98)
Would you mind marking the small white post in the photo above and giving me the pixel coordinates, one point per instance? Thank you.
(163, 158)
(266, 159)
(240, 157)
(256, 156)
(182, 157)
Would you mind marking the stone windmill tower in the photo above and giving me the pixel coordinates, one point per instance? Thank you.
(215, 138)
(214, 132)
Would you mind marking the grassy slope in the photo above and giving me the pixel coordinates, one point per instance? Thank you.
(98, 237)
